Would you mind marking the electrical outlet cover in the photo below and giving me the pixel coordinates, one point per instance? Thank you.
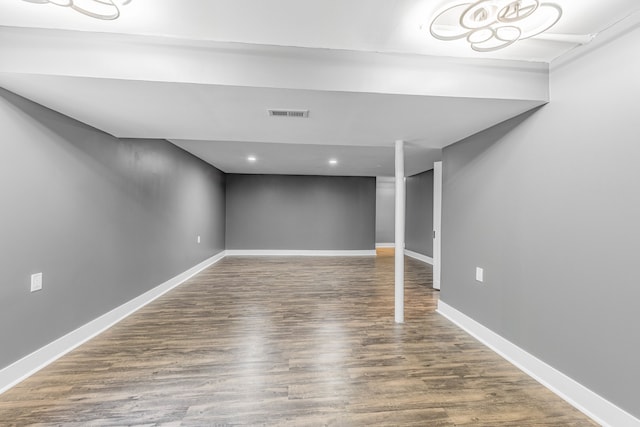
(36, 282)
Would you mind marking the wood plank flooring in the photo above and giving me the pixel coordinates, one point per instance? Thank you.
(287, 342)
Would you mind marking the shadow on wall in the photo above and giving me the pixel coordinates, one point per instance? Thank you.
(476, 145)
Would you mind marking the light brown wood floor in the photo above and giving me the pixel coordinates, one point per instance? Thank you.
(287, 342)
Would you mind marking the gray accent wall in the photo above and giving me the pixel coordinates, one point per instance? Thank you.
(103, 219)
(548, 204)
(385, 210)
(300, 212)
(419, 211)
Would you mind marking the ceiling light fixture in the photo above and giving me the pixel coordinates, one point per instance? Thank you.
(490, 25)
(106, 10)
(251, 159)
(333, 162)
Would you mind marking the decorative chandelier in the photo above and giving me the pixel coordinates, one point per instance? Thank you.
(107, 10)
(490, 25)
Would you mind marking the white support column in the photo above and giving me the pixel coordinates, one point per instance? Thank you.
(437, 222)
(400, 217)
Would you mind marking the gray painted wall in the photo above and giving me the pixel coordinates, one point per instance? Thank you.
(300, 212)
(419, 220)
(549, 204)
(104, 219)
(385, 210)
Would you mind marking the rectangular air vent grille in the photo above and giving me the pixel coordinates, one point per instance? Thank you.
(289, 113)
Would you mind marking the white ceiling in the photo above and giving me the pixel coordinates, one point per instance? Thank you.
(359, 25)
(308, 159)
(202, 74)
(358, 128)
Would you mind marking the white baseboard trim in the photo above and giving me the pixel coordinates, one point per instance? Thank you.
(32, 363)
(385, 245)
(597, 408)
(287, 252)
(418, 256)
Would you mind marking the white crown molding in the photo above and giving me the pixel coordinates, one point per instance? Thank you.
(625, 25)
(591, 404)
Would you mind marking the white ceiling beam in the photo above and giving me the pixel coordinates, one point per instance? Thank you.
(133, 57)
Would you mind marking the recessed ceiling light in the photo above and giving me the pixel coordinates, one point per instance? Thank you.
(333, 162)
(251, 158)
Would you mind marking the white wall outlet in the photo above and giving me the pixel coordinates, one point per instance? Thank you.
(36, 282)
(198, 238)
(480, 274)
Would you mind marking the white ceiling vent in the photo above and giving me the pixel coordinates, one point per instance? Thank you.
(289, 113)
